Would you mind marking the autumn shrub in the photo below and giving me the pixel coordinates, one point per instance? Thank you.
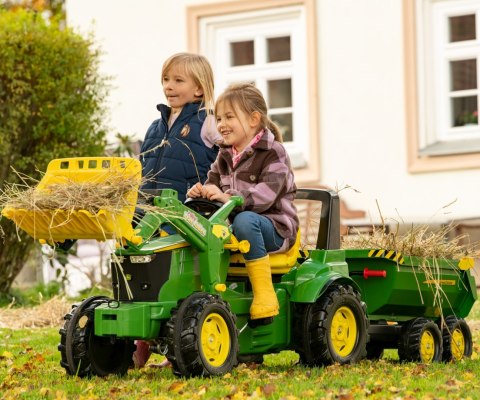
(51, 106)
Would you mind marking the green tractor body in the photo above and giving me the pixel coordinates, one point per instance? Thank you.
(189, 296)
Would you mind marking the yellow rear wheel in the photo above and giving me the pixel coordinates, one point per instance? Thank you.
(334, 329)
(344, 331)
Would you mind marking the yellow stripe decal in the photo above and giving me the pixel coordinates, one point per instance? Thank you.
(391, 255)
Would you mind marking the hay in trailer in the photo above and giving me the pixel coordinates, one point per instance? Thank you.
(419, 241)
(430, 246)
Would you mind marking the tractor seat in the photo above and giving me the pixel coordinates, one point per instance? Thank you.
(280, 263)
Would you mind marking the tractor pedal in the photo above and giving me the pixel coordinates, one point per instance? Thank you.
(254, 323)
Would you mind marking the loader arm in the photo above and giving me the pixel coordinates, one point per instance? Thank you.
(208, 236)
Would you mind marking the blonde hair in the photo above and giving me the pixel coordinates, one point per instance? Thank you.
(197, 67)
(247, 98)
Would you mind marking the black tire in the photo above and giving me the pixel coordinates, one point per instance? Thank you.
(457, 339)
(189, 349)
(82, 353)
(420, 341)
(334, 329)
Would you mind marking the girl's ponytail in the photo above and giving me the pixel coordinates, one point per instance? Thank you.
(273, 127)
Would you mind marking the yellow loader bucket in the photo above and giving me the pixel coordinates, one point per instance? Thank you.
(58, 224)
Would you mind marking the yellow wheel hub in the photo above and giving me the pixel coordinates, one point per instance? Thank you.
(215, 339)
(427, 347)
(344, 331)
(458, 344)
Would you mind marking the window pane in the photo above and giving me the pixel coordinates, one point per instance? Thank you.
(284, 122)
(465, 110)
(278, 49)
(280, 93)
(462, 28)
(241, 53)
(464, 74)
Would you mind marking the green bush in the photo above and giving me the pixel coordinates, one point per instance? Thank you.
(51, 106)
(32, 296)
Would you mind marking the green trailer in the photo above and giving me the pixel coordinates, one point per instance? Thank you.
(188, 293)
(416, 305)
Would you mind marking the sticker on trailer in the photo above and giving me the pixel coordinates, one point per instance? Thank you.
(447, 282)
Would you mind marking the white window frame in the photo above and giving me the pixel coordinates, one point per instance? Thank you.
(434, 53)
(214, 25)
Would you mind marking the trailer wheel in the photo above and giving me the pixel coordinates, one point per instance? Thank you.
(84, 354)
(420, 341)
(334, 329)
(202, 339)
(457, 339)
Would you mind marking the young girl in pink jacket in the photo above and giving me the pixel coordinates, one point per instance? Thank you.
(253, 164)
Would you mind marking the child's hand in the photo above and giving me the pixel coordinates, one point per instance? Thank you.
(212, 192)
(195, 191)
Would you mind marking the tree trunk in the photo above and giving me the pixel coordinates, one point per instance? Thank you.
(12, 257)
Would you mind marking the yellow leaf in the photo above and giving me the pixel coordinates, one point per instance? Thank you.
(308, 394)
(59, 395)
(474, 356)
(468, 376)
(176, 387)
(7, 354)
(44, 391)
(393, 389)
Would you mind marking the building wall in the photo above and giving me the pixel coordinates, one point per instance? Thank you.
(361, 89)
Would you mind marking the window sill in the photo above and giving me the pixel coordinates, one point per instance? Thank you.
(451, 148)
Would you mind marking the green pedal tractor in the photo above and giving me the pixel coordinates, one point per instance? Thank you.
(188, 293)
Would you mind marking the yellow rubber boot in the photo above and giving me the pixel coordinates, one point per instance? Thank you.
(265, 302)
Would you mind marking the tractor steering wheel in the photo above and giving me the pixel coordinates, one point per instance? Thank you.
(204, 207)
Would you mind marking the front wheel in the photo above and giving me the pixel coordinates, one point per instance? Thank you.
(457, 339)
(334, 329)
(420, 341)
(84, 354)
(202, 337)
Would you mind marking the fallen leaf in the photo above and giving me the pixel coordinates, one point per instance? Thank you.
(268, 389)
(7, 355)
(176, 387)
(393, 389)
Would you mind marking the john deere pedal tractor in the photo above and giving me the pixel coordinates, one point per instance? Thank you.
(189, 296)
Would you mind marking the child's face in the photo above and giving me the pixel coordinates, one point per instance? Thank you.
(180, 88)
(236, 128)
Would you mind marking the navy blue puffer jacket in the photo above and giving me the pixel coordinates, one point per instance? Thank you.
(183, 159)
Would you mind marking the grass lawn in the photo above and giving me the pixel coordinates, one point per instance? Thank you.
(30, 369)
